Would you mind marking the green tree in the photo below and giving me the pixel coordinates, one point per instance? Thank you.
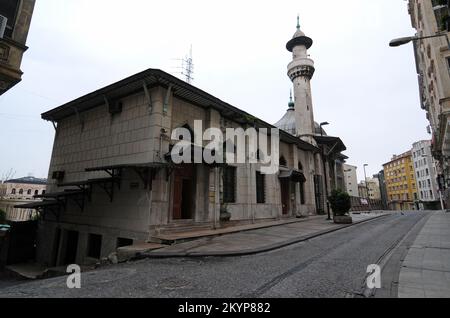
(340, 202)
(2, 217)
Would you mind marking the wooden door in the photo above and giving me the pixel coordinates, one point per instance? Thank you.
(285, 196)
(183, 193)
(177, 196)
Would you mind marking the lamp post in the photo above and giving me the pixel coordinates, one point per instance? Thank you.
(406, 40)
(325, 171)
(367, 187)
(321, 125)
(439, 188)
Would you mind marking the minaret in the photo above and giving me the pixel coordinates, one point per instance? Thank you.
(301, 71)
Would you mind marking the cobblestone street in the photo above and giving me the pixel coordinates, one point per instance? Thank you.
(332, 265)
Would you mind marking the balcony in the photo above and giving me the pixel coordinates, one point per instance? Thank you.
(11, 53)
(441, 12)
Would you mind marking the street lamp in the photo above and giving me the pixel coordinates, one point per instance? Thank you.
(406, 40)
(321, 125)
(325, 171)
(367, 186)
(439, 188)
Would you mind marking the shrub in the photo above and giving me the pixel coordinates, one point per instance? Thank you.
(2, 217)
(340, 202)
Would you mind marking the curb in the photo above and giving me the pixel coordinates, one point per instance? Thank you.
(254, 251)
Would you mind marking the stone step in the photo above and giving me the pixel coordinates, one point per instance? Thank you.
(181, 228)
(172, 238)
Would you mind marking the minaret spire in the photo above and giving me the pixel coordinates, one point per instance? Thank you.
(291, 102)
(301, 71)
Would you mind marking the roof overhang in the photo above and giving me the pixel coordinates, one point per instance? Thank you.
(335, 143)
(292, 175)
(156, 78)
(301, 40)
(38, 205)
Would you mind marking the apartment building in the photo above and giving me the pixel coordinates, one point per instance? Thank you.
(351, 180)
(429, 18)
(401, 183)
(426, 175)
(20, 191)
(15, 20)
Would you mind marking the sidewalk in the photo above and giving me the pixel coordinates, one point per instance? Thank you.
(259, 240)
(425, 272)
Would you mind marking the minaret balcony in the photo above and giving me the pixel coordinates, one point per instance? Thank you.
(301, 68)
(301, 61)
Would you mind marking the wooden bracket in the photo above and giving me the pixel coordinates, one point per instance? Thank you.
(80, 120)
(167, 99)
(148, 96)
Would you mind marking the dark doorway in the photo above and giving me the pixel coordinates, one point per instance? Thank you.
(55, 250)
(70, 255)
(94, 246)
(184, 193)
(122, 242)
(285, 195)
(21, 242)
(318, 191)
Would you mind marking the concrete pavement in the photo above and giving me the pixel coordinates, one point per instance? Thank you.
(259, 240)
(425, 272)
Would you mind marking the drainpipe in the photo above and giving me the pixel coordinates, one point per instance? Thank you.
(216, 196)
(149, 199)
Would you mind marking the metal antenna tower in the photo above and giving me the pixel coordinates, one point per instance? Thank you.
(187, 68)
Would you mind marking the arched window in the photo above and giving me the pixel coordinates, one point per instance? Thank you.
(180, 133)
(36, 192)
(21, 191)
(29, 192)
(283, 161)
(13, 191)
(43, 191)
(300, 166)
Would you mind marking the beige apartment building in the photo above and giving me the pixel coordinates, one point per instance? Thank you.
(369, 189)
(431, 17)
(15, 20)
(373, 184)
(113, 182)
(351, 180)
(20, 191)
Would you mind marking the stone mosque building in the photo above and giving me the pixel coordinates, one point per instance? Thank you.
(112, 183)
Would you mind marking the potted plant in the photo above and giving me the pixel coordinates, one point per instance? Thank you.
(341, 204)
(225, 216)
(2, 217)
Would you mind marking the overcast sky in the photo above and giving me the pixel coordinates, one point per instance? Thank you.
(366, 90)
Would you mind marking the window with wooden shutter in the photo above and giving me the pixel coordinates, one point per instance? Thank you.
(260, 188)
(229, 185)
